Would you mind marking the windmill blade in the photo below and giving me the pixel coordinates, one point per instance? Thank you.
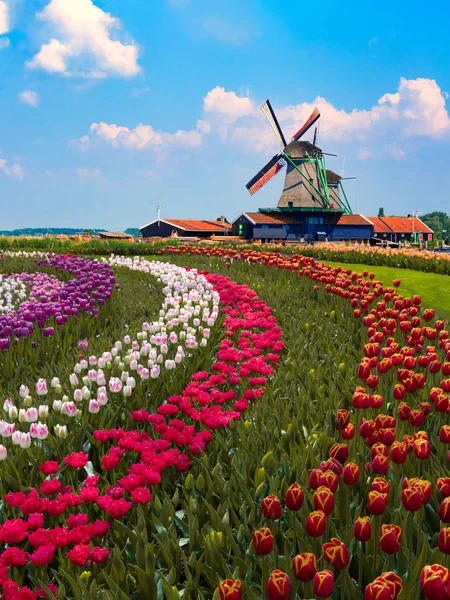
(266, 174)
(273, 121)
(309, 123)
(315, 137)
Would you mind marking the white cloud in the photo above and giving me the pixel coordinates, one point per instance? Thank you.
(14, 170)
(228, 104)
(30, 98)
(86, 174)
(4, 43)
(226, 32)
(84, 42)
(138, 92)
(4, 17)
(417, 108)
(143, 136)
(81, 144)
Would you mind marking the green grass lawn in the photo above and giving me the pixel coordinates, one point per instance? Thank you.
(434, 289)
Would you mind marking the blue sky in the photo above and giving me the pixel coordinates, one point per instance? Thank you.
(110, 107)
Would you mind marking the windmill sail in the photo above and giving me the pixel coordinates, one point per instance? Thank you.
(270, 116)
(309, 123)
(270, 170)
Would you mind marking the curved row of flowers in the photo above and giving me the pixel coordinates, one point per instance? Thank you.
(53, 300)
(66, 514)
(189, 311)
(394, 431)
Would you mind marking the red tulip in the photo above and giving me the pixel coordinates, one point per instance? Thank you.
(444, 434)
(349, 432)
(323, 500)
(294, 497)
(444, 510)
(443, 486)
(380, 590)
(304, 566)
(336, 553)
(393, 578)
(399, 391)
(350, 474)
(271, 507)
(316, 523)
(412, 499)
(422, 449)
(398, 453)
(367, 428)
(314, 478)
(323, 584)
(342, 419)
(403, 411)
(444, 540)
(230, 590)
(416, 418)
(390, 536)
(381, 485)
(362, 529)
(339, 452)
(380, 464)
(376, 503)
(435, 582)
(428, 314)
(278, 586)
(263, 541)
(330, 480)
(372, 381)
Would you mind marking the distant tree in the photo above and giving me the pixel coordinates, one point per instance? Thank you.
(381, 212)
(439, 222)
(133, 231)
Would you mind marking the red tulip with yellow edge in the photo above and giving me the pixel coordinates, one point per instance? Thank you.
(390, 537)
(350, 474)
(294, 497)
(393, 578)
(381, 485)
(329, 480)
(379, 590)
(435, 582)
(271, 507)
(323, 500)
(323, 583)
(376, 502)
(444, 510)
(336, 553)
(339, 452)
(422, 449)
(412, 499)
(263, 541)
(362, 529)
(443, 486)
(230, 589)
(278, 586)
(380, 464)
(398, 453)
(342, 419)
(444, 434)
(316, 523)
(304, 566)
(444, 540)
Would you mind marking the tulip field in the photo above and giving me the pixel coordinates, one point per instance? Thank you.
(220, 424)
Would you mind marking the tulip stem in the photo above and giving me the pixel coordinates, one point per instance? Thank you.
(360, 566)
(265, 577)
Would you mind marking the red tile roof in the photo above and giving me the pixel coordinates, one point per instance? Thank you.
(398, 225)
(353, 220)
(271, 219)
(198, 225)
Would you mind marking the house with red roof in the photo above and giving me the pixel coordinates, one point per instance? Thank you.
(401, 229)
(269, 226)
(200, 228)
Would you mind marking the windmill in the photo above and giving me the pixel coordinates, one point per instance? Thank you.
(309, 185)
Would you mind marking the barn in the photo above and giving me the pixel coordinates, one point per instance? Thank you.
(297, 226)
(167, 228)
(401, 229)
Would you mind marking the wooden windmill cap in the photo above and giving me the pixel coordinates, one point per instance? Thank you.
(301, 149)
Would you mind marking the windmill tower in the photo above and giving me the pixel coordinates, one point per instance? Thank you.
(309, 186)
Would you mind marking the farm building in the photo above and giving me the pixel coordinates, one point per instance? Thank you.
(166, 228)
(296, 226)
(116, 235)
(401, 229)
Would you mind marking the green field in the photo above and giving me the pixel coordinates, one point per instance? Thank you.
(434, 289)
